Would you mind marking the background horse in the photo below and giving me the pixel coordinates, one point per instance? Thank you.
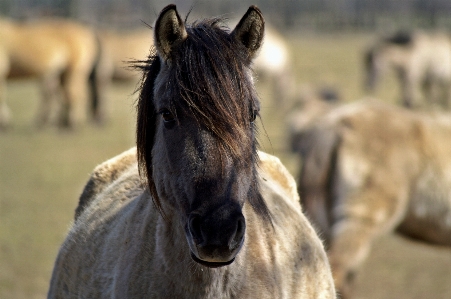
(118, 50)
(274, 67)
(421, 60)
(370, 168)
(60, 53)
(216, 218)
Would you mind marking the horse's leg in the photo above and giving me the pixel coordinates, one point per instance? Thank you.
(445, 93)
(100, 82)
(353, 233)
(410, 88)
(73, 110)
(5, 113)
(50, 87)
(429, 90)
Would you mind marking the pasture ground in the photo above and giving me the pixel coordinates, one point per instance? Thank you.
(42, 173)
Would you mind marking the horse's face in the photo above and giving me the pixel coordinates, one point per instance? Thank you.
(204, 151)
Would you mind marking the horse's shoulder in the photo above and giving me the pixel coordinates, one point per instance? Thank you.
(273, 171)
(103, 175)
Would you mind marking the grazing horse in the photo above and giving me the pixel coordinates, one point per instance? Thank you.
(60, 53)
(214, 217)
(421, 60)
(370, 168)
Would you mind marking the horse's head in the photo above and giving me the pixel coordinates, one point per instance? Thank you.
(196, 134)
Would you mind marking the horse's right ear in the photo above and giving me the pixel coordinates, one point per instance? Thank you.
(169, 32)
(250, 31)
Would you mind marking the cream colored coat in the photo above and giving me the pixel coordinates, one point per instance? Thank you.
(121, 247)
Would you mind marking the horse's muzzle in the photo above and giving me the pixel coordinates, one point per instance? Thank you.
(216, 239)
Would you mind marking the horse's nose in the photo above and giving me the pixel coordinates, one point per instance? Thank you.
(219, 234)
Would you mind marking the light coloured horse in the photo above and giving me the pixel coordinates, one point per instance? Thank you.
(214, 218)
(422, 62)
(274, 67)
(119, 50)
(370, 168)
(60, 53)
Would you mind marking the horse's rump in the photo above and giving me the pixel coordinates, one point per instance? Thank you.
(370, 168)
(117, 58)
(60, 53)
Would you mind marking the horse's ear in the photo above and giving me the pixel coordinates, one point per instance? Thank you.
(169, 31)
(250, 30)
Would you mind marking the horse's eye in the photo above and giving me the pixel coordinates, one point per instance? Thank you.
(167, 115)
(254, 114)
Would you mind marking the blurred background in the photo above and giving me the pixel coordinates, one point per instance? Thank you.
(43, 171)
(322, 15)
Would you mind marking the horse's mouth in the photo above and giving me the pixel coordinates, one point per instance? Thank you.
(211, 264)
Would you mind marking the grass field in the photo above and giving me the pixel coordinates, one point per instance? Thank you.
(43, 172)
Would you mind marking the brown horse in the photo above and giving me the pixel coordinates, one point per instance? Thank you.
(370, 168)
(60, 53)
(421, 60)
(214, 218)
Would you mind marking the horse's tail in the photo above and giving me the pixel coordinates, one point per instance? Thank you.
(318, 147)
(95, 85)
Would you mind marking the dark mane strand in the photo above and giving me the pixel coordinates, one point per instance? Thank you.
(208, 56)
(402, 38)
(146, 123)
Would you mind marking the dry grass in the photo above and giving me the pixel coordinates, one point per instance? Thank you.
(42, 174)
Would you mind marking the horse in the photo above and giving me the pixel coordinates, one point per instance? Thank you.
(118, 50)
(370, 168)
(274, 66)
(60, 53)
(195, 210)
(422, 62)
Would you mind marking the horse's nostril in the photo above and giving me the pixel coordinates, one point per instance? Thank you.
(239, 233)
(195, 228)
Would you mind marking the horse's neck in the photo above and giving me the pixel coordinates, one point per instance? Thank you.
(172, 251)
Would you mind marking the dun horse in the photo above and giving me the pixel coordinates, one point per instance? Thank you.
(118, 49)
(422, 62)
(60, 53)
(215, 217)
(371, 168)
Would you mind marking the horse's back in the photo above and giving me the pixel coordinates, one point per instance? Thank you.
(117, 59)
(387, 163)
(98, 239)
(49, 46)
(103, 175)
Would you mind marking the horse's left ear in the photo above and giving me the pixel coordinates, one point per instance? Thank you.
(169, 31)
(250, 31)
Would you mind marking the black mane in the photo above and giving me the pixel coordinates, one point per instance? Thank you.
(401, 38)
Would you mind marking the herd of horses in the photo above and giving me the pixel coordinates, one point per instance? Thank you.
(195, 210)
